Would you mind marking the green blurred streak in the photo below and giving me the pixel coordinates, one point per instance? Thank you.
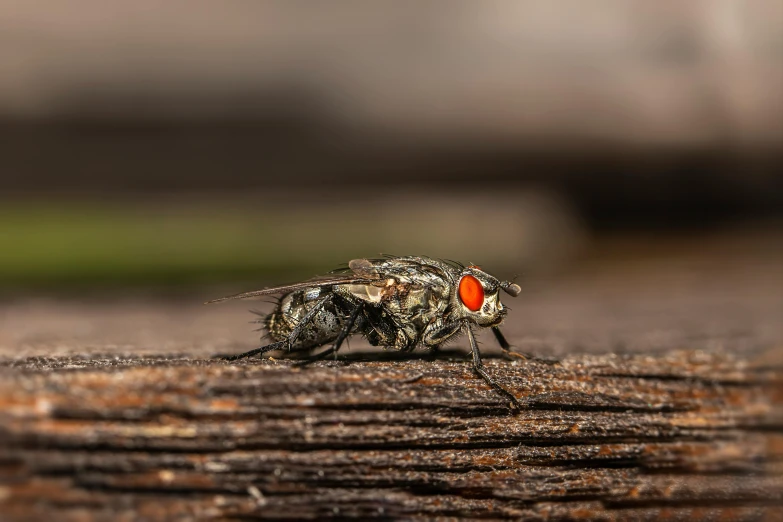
(96, 244)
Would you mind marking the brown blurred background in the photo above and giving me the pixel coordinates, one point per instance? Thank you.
(148, 145)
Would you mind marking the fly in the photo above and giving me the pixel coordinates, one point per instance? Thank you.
(394, 302)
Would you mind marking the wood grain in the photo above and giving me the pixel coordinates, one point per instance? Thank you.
(679, 435)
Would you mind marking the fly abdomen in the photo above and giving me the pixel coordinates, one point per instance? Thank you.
(323, 328)
(276, 326)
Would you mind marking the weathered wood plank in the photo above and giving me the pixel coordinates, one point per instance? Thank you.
(680, 435)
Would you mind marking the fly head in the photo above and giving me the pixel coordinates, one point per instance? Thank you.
(478, 297)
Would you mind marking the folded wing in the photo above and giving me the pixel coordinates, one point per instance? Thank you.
(313, 283)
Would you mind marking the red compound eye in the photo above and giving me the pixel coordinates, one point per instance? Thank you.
(471, 293)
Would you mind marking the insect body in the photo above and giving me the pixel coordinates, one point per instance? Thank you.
(395, 302)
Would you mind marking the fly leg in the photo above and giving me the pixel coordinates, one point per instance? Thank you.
(257, 351)
(521, 355)
(478, 367)
(346, 331)
(438, 332)
(507, 347)
(289, 342)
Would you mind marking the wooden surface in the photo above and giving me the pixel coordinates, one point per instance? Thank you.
(685, 435)
(667, 403)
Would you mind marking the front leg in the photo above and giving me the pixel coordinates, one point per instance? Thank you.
(521, 355)
(507, 347)
(478, 367)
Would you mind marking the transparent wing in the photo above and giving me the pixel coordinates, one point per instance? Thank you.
(313, 283)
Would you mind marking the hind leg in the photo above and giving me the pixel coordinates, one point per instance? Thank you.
(289, 342)
(344, 333)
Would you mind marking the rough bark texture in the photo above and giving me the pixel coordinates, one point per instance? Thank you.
(682, 435)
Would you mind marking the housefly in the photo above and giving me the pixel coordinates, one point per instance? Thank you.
(394, 302)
